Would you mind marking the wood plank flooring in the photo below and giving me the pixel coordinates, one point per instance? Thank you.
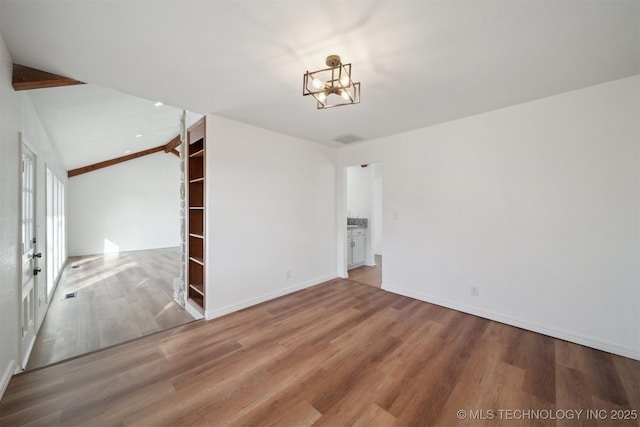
(119, 297)
(369, 275)
(338, 354)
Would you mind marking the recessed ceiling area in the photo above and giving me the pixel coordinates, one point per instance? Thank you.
(419, 63)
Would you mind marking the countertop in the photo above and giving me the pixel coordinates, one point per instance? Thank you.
(357, 222)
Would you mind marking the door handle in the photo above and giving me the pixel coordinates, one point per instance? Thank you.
(36, 271)
(38, 255)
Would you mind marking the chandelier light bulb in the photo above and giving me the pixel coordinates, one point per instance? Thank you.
(345, 95)
(316, 83)
(344, 81)
(322, 96)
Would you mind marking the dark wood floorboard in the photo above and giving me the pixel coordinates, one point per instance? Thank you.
(338, 354)
(119, 297)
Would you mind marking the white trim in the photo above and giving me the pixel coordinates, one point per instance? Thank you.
(6, 377)
(212, 314)
(55, 283)
(28, 353)
(192, 310)
(520, 323)
(25, 356)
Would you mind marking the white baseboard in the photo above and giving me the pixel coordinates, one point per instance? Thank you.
(520, 323)
(25, 360)
(212, 314)
(192, 310)
(6, 377)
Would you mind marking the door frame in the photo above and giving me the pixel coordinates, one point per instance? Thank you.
(27, 335)
(49, 184)
(341, 218)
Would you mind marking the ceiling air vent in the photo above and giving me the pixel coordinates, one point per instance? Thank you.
(348, 139)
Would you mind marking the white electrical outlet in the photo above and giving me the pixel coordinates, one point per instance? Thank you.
(475, 291)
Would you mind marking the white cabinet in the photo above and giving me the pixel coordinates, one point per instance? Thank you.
(359, 250)
(356, 247)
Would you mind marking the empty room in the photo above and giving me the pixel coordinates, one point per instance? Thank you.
(339, 213)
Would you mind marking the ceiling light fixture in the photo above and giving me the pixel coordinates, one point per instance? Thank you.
(335, 80)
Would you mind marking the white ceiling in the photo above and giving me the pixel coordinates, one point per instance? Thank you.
(89, 124)
(419, 62)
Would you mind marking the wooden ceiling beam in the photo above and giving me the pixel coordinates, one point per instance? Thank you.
(26, 78)
(173, 144)
(107, 163)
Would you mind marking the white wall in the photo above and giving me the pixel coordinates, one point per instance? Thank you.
(9, 230)
(536, 204)
(376, 206)
(17, 116)
(359, 192)
(130, 206)
(271, 209)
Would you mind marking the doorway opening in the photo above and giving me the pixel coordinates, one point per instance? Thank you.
(363, 220)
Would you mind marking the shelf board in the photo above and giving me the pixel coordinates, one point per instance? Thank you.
(199, 236)
(198, 153)
(196, 180)
(197, 289)
(197, 208)
(197, 260)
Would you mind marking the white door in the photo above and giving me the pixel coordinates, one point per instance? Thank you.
(29, 256)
